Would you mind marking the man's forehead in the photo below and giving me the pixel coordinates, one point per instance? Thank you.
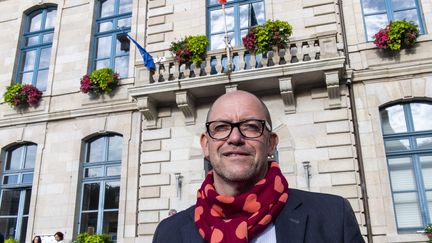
(240, 105)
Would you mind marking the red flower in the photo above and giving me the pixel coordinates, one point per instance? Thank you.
(222, 1)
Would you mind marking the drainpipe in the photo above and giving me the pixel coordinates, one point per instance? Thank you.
(356, 128)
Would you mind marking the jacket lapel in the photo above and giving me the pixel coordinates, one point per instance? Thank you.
(291, 222)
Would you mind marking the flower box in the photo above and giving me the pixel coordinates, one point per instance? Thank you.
(190, 50)
(100, 81)
(397, 35)
(262, 39)
(22, 95)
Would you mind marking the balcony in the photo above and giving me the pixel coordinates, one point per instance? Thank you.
(313, 61)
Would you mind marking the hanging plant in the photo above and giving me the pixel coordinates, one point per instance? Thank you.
(89, 238)
(100, 81)
(190, 50)
(397, 35)
(22, 95)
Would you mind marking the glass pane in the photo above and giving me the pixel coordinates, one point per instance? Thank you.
(7, 227)
(90, 196)
(217, 20)
(107, 8)
(48, 38)
(393, 119)
(27, 178)
(27, 202)
(113, 170)
(121, 66)
(126, 22)
(110, 224)
(23, 229)
(35, 23)
(424, 143)
(401, 174)
(29, 60)
(112, 194)
(9, 203)
(122, 50)
(426, 166)
(10, 179)
(422, 115)
(50, 18)
(397, 145)
(30, 157)
(97, 150)
(102, 64)
(374, 23)
(27, 78)
(251, 15)
(373, 6)
(42, 79)
(32, 40)
(14, 158)
(407, 210)
(88, 222)
(45, 58)
(218, 41)
(93, 172)
(104, 47)
(403, 4)
(408, 15)
(115, 148)
(125, 6)
(105, 26)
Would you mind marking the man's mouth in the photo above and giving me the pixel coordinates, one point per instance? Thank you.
(235, 153)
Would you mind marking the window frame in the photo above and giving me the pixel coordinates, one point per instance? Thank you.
(35, 47)
(414, 154)
(236, 14)
(389, 11)
(113, 33)
(100, 180)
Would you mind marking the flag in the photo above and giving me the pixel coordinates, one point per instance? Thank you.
(223, 2)
(253, 20)
(147, 58)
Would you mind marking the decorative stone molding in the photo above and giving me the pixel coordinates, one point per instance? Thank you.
(147, 107)
(186, 104)
(230, 87)
(333, 88)
(287, 93)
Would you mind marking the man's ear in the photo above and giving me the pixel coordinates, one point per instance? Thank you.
(204, 145)
(273, 142)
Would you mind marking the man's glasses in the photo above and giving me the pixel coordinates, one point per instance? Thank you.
(252, 128)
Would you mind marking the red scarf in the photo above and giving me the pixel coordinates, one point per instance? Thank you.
(238, 219)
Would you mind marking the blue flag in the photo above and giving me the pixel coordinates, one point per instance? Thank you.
(147, 58)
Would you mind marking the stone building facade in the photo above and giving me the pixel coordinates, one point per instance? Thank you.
(117, 163)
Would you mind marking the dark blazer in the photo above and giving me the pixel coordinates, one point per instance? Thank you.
(306, 218)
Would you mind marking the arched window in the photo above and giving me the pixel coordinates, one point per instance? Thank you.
(407, 131)
(101, 185)
(111, 46)
(17, 179)
(241, 15)
(35, 50)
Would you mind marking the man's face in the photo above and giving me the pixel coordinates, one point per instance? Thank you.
(238, 159)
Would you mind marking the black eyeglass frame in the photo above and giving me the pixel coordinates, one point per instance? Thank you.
(265, 125)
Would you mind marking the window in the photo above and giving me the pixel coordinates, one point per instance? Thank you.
(111, 46)
(241, 15)
(408, 143)
(17, 179)
(378, 13)
(35, 51)
(101, 186)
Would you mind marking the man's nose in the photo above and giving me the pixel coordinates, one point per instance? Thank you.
(235, 137)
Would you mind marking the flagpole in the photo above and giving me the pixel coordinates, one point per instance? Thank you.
(227, 47)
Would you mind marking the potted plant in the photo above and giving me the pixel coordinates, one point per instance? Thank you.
(428, 232)
(262, 39)
(191, 49)
(397, 35)
(22, 95)
(90, 238)
(100, 81)
(10, 240)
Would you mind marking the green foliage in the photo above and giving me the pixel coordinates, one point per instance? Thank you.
(87, 238)
(11, 92)
(428, 229)
(192, 49)
(402, 34)
(272, 33)
(198, 47)
(103, 78)
(10, 240)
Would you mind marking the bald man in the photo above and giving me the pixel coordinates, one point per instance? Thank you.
(245, 198)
